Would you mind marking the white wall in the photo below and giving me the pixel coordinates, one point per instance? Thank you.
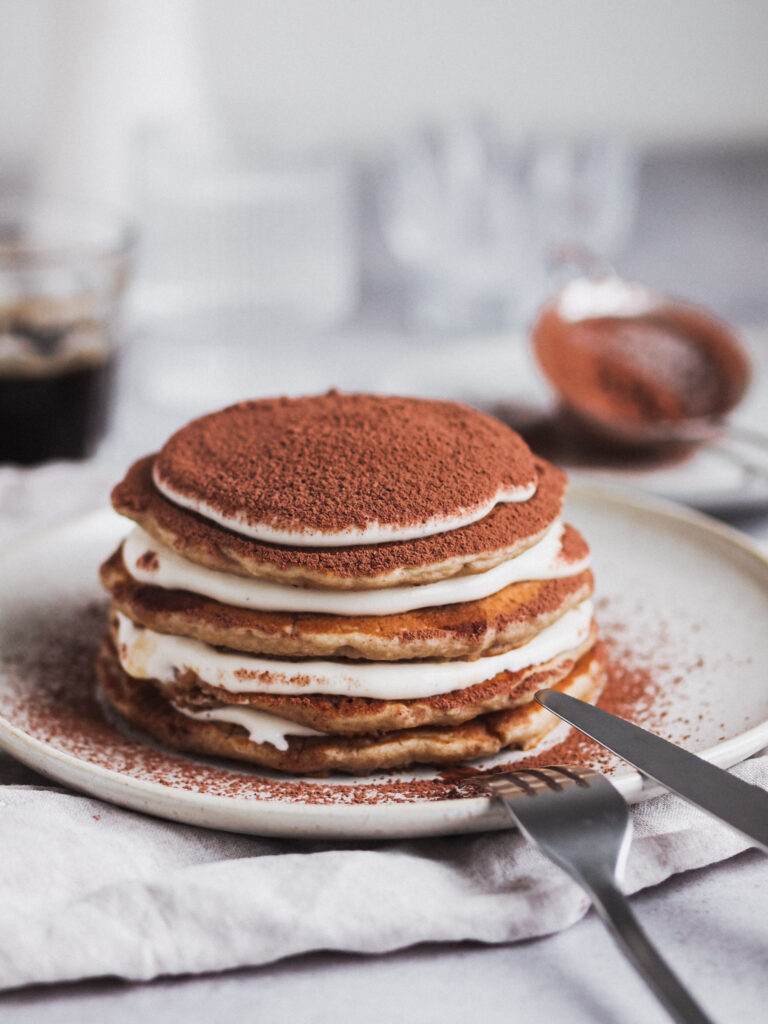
(679, 70)
(660, 69)
(25, 40)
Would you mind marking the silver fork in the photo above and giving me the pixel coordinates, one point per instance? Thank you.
(582, 823)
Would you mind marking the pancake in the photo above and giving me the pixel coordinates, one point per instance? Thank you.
(340, 469)
(346, 583)
(349, 709)
(507, 531)
(562, 551)
(349, 715)
(143, 703)
(468, 629)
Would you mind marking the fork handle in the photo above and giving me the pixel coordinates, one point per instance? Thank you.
(614, 909)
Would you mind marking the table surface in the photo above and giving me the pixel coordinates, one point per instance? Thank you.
(710, 924)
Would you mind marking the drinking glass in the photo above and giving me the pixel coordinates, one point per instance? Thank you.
(455, 218)
(63, 272)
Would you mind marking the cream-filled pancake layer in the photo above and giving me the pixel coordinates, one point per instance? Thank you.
(507, 531)
(149, 561)
(260, 726)
(521, 725)
(349, 716)
(337, 470)
(146, 654)
(468, 629)
(372, 533)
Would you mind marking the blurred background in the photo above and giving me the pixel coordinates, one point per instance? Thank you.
(244, 198)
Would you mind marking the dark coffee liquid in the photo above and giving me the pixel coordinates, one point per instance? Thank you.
(60, 415)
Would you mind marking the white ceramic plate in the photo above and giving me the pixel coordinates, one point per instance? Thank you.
(683, 604)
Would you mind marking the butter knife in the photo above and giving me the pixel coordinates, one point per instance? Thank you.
(737, 803)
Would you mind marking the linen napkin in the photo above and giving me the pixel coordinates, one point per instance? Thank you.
(88, 889)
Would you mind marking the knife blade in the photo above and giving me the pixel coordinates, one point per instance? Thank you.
(740, 804)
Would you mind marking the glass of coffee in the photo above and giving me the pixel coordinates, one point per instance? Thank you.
(63, 272)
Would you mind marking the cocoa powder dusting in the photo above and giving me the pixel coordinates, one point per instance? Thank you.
(573, 545)
(149, 561)
(334, 462)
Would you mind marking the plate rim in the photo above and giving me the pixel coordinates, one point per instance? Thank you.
(275, 817)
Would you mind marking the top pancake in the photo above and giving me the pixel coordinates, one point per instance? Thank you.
(340, 469)
(504, 533)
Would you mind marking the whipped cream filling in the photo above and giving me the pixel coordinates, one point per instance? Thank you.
(372, 533)
(149, 561)
(261, 726)
(146, 654)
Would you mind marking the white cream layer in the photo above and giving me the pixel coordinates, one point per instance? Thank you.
(145, 654)
(372, 533)
(262, 727)
(543, 561)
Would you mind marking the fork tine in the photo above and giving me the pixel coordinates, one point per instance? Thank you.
(547, 777)
(575, 772)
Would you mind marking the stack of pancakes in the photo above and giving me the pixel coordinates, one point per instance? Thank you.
(346, 582)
